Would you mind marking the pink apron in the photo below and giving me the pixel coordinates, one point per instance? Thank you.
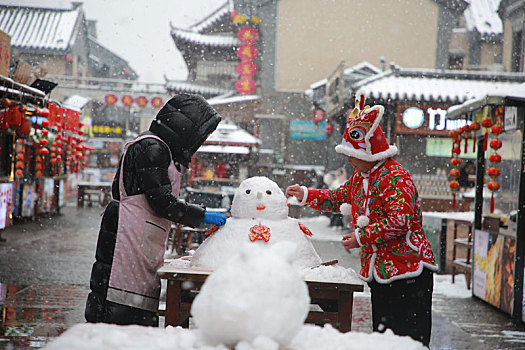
(140, 246)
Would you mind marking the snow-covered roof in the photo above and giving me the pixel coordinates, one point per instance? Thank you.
(435, 85)
(228, 133)
(482, 16)
(195, 88)
(215, 16)
(220, 40)
(76, 102)
(39, 28)
(235, 99)
(495, 96)
(223, 149)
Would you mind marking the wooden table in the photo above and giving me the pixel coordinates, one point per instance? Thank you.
(102, 189)
(334, 300)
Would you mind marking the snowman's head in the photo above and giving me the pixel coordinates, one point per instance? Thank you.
(259, 197)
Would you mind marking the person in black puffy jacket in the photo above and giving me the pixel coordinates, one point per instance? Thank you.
(124, 287)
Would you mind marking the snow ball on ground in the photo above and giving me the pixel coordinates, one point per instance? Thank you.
(257, 293)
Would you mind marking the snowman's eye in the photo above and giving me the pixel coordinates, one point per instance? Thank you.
(248, 191)
(268, 192)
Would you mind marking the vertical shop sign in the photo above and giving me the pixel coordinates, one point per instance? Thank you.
(6, 200)
(5, 53)
(481, 243)
(511, 117)
(334, 98)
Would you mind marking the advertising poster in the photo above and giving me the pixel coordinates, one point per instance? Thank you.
(6, 201)
(48, 192)
(29, 197)
(481, 242)
(493, 273)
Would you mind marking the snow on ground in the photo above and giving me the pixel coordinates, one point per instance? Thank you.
(444, 287)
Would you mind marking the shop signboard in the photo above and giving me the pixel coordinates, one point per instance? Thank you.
(28, 200)
(494, 269)
(334, 99)
(5, 53)
(6, 202)
(307, 130)
(48, 192)
(425, 120)
(511, 117)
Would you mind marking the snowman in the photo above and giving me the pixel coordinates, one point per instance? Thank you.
(259, 216)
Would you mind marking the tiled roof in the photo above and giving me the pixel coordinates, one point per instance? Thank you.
(482, 16)
(195, 88)
(215, 16)
(435, 85)
(205, 39)
(39, 28)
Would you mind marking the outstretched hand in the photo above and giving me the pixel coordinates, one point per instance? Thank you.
(295, 191)
(214, 218)
(349, 241)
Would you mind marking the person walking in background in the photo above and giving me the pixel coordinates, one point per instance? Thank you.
(397, 260)
(135, 226)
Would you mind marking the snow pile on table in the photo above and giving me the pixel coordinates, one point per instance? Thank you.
(332, 273)
(256, 293)
(259, 217)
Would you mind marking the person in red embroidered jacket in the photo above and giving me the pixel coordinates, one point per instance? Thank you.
(396, 257)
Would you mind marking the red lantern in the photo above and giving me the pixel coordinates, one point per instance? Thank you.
(127, 100)
(495, 158)
(454, 186)
(142, 101)
(493, 186)
(111, 99)
(495, 144)
(156, 102)
(44, 142)
(494, 172)
(246, 68)
(453, 173)
(248, 35)
(474, 127)
(486, 123)
(44, 151)
(496, 129)
(45, 123)
(245, 85)
(25, 128)
(247, 52)
(455, 162)
(45, 132)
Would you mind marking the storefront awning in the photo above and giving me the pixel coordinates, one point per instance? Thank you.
(224, 149)
(494, 97)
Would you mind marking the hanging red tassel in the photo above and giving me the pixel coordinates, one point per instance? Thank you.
(492, 203)
(454, 200)
(485, 142)
(474, 145)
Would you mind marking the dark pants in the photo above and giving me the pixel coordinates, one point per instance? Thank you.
(404, 306)
(98, 310)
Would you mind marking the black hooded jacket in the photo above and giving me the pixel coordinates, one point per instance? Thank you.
(183, 124)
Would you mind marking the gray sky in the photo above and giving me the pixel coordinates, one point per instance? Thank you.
(139, 30)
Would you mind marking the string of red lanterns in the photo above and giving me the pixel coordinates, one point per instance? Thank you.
(247, 52)
(128, 100)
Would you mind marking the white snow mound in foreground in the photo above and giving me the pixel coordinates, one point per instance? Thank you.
(255, 293)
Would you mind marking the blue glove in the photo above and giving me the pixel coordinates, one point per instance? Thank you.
(214, 218)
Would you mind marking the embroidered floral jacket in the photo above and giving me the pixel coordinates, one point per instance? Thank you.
(393, 245)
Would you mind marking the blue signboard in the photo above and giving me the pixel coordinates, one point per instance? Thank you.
(307, 130)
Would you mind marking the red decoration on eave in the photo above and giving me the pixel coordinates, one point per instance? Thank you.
(246, 68)
(111, 99)
(245, 86)
(156, 102)
(318, 116)
(142, 101)
(127, 100)
(248, 35)
(247, 52)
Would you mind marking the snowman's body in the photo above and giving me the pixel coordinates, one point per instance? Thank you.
(260, 217)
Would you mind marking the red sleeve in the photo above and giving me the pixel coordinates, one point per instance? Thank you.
(329, 200)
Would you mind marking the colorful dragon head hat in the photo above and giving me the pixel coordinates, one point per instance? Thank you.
(363, 137)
